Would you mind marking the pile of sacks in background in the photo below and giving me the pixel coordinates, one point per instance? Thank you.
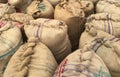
(59, 38)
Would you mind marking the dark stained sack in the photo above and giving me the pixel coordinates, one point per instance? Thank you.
(32, 59)
(40, 9)
(53, 33)
(3, 1)
(10, 41)
(82, 63)
(72, 13)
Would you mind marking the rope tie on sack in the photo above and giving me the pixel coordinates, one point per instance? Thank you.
(25, 57)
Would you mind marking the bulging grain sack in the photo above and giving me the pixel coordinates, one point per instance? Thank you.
(6, 9)
(33, 59)
(90, 34)
(109, 50)
(106, 22)
(40, 9)
(74, 17)
(82, 63)
(108, 6)
(20, 5)
(10, 41)
(21, 18)
(53, 33)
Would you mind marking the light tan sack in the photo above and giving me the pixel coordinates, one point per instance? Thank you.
(109, 23)
(74, 18)
(90, 34)
(108, 6)
(21, 18)
(33, 59)
(53, 33)
(10, 41)
(109, 50)
(20, 5)
(82, 63)
(6, 9)
(40, 9)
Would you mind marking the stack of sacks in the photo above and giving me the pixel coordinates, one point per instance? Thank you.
(33, 59)
(10, 41)
(6, 9)
(82, 63)
(18, 18)
(109, 50)
(40, 9)
(73, 13)
(20, 5)
(53, 33)
(109, 6)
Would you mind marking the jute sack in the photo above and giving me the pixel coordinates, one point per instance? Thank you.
(74, 18)
(82, 63)
(21, 18)
(109, 23)
(53, 33)
(109, 6)
(6, 9)
(33, 59)
(20, 5)
(10, 41)
(90, 34)
(40, 9)
(109, 50)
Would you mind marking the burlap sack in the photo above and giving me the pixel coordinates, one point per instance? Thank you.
(109, 23)
(40, 9)
(109, 50)
(20, 5)
(10, 41)
(109, 6)
(82, 63)
(33, 59)
(53, 33)
(6, 9)
(74, 18)
(21, 18)
(90, 34)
